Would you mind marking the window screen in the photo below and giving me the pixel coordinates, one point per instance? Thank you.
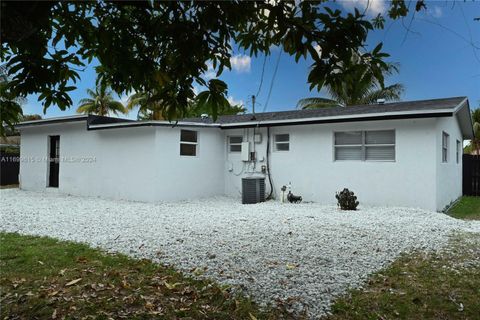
(445, 147)
(282, 142)
(459, 148)
(376, 145)
(235, 144)
(188, 143)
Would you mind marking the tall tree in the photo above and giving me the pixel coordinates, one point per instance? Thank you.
(141, 45)
(101, 102)
(10, 104)
(151, 107)
(357, 84)
(474, 145)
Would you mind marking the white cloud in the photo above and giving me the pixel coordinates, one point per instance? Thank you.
(241, 63)
(210, 73)
(235, 102)
(435, 12)
(374, 7)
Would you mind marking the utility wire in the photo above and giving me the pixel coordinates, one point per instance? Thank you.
(272, 82)
(261, 79)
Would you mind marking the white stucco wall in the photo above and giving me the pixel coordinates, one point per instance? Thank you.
(449, 174)
(120, 169)
(310, 167)
(186, 177)
(142, 163)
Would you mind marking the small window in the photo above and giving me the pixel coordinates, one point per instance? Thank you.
(188, 143)
(459, 148)
(445, 138)
(378, 145)
(282, 142)
(235, 144)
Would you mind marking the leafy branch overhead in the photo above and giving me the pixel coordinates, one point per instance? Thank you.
(145, 45)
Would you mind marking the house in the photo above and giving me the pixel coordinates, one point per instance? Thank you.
(392, 154)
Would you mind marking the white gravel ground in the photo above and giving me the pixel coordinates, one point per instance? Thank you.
(304, 254)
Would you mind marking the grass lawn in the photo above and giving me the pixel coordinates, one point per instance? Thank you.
(466, 208)
(420, 286)
(47, 279)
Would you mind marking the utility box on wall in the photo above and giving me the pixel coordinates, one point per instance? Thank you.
(245, 151)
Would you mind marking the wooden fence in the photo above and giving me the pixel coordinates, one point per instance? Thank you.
(9, 168)
(471, 175)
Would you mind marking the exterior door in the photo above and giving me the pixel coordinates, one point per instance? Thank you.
(54, 161)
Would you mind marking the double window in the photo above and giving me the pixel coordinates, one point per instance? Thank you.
(378, 145)
(235, 143)
(282, 142)
(188, 143)
(445, 138)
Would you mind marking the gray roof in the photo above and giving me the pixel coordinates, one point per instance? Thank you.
(420, 105)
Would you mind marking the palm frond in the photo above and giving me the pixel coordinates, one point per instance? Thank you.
(313, 103)
(390, 93)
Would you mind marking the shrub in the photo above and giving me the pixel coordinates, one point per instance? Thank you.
(347, 200)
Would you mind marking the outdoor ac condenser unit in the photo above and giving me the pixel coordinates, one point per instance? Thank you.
(253, 190)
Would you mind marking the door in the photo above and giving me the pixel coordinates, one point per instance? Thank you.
(54, 161)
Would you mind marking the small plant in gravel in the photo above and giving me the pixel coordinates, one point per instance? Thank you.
(347, 200)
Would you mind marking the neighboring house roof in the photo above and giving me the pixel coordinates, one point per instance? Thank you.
(397, 110)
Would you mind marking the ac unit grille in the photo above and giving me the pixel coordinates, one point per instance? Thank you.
(253, 190)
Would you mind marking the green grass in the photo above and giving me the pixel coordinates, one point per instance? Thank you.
(419, 286)
(37, 281)
(466, 208)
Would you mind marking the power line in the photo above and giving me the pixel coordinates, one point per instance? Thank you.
(273, 81)
(261, 78)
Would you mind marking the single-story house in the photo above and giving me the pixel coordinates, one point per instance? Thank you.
(390, 154)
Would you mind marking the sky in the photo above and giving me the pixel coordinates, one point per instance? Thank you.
(438, 52)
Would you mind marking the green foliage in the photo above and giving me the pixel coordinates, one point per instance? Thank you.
(101, 102)
(356, 83)
(475, 142)
(346, 200)
(10, 104)
(151, 107)
(143, 45)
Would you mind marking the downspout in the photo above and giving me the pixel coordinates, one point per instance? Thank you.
(269, 197)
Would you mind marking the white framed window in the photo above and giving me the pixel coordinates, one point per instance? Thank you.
(459, 148)
(188, 143)
(235, 143)
(445, 138)
(282, 142)
(374, 145)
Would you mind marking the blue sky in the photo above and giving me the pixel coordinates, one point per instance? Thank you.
(437, 59)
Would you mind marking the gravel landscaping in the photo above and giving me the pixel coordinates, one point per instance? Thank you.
(302, 255)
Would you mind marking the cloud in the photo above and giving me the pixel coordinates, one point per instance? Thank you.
(210, 73)
(436, 12)
(241, 63)
(235, 102)
(374, 6)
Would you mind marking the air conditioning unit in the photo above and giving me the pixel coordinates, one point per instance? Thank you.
(253, 190)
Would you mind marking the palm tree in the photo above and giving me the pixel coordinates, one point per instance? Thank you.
(149, 108)
(153, 108)
(101, 102)
(356, 85)
(474, 145)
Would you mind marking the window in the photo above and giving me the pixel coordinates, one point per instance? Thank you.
(282, 142)
(188, 143)
(376, 145)
(235, 144)
(445, 138)
(458, 151)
